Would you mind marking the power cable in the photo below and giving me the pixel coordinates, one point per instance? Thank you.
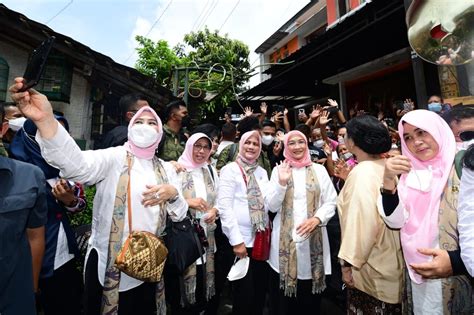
(200, 15)
(60, 11)
(159, 18)
(151, 28)
(228, 16)
(209, 12)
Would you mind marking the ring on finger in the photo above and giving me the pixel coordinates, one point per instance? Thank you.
(157, 195)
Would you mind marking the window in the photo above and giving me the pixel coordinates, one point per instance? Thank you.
(4, 69)
(342, 6)
(57, 79)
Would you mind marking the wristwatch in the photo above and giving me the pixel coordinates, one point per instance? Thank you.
(384, 191)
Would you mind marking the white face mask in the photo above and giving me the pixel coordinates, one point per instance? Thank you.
(318, 143)
(16, 123)
(143, 135)
(347, 156)
(267, 139)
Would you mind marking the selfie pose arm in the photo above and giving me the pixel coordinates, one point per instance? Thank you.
(36, 107)
(57, 146)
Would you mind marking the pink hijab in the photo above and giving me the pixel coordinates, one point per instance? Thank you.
(306, 160)
(186, 159)
(244, 138)
(421, 228)
(144, 153)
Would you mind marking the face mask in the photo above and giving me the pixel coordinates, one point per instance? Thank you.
(347, 156)
(185, 121)
(340, 140)
(434, 107)
(16, 124)
(330, 134)
(319, 143)
(267, 139)
(143, 136)
(420, 179)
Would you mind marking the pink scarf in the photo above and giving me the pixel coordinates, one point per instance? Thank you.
(421, 228)
(144, 153)
(306, 160)
(244, 138)
(186, 159)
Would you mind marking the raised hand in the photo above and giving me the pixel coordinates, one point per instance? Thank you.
(332, 102)
(411, 103)
(342, 169)
(31, 103)
(396, 165)
(263, 108)
(285, 112)
(280, 136)
(248, 111)
(324, 118)
(316, 112)
(284, 173)
(277, 148)
(327, 149)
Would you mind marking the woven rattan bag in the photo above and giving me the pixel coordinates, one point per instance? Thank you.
(143, 255)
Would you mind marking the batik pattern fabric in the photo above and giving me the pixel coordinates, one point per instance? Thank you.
(188, 188)
(110, 296)
(254, 195)
(287, 252)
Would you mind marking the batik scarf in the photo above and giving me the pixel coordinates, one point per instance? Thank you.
(190, 273)
(254, 195)
(110, 295)
(287, 252)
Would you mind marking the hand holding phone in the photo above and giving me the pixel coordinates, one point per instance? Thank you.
(37, 64)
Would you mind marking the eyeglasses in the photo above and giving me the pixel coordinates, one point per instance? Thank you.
(198, 147)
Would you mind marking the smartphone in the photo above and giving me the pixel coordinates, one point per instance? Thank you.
(37, 64)
(406, 106)
(280, 108)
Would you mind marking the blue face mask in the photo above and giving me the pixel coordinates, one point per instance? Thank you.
(434, 107)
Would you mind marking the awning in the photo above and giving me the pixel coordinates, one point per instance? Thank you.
(376, 30)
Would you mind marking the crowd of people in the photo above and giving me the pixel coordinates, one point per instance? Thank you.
(377, 209)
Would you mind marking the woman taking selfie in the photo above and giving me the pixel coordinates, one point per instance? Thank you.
(123, 175)
(424, 205)
(242, 210)
(304, 199)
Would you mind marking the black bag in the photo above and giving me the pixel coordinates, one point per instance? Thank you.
(183, 243)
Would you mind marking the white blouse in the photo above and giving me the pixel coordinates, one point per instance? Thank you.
(233, 204)
(326, 210)
(201, 192)
(103, 168)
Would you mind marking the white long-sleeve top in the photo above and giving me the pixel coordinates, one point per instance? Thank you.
(233, 204)
(466, 219)
(326, 210)
(103, 168)
(200, 191)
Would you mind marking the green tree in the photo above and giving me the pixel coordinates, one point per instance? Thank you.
(218, 66)
(157, 59)
(212, 50)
